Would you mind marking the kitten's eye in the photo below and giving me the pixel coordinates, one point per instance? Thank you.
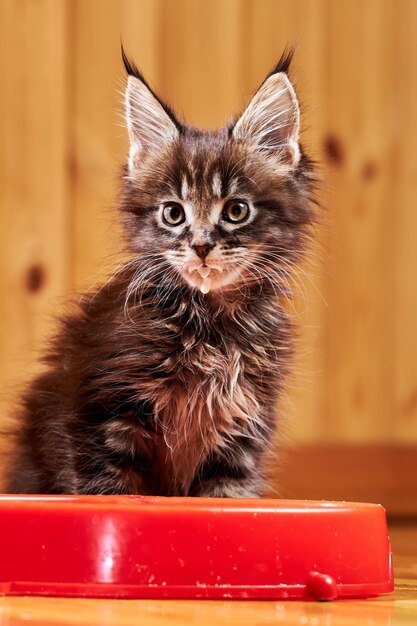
(235, 211)
(173, 214)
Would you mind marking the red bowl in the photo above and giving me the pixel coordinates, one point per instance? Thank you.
(146, 547)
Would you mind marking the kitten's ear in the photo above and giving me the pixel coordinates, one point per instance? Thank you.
(271, 121)
(150, 123)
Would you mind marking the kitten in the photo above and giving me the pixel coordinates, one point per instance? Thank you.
(167, 380)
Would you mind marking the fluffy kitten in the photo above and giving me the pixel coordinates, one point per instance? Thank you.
(167, 380)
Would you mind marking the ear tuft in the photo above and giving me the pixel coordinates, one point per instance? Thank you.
(131, 68)
(284, 62)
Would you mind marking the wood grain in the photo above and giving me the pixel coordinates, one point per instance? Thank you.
(404, 174)
(34, 233)
(203, 59)
(359, 342)
(59, 612)
(98, 141)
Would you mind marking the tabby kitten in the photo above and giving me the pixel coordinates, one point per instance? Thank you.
(166, 382)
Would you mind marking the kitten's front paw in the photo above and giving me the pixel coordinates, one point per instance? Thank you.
(229, 488)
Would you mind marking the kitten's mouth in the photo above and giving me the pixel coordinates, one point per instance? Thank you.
(203, 275)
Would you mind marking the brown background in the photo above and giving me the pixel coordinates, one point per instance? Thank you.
(352, 403)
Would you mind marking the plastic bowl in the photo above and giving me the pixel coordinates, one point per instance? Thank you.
(148, 547)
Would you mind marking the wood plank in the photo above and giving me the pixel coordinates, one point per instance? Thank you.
(142, 32)
(359, 344)
(202, 59)
(60, 612)
(403, 83)
(98, 144)
(100, 140)
(33, 187)
(386, 474)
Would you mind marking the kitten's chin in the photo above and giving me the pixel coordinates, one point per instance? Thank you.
(213, 282)
(209, 277)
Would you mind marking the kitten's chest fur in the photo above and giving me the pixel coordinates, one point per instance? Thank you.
(209, 386)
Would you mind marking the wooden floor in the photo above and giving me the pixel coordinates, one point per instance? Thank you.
(395, 610)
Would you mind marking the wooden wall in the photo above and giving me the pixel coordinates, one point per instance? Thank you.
(62, 141)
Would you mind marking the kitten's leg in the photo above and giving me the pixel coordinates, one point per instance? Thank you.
(221, 487)
(236, 478)
(114, 474)
(22, 477)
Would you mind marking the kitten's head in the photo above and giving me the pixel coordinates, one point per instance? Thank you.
(217, 209)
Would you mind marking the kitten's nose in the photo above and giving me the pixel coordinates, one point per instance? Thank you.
(202, 251)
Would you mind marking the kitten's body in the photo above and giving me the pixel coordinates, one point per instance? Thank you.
(168, 379)
(183, 406)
